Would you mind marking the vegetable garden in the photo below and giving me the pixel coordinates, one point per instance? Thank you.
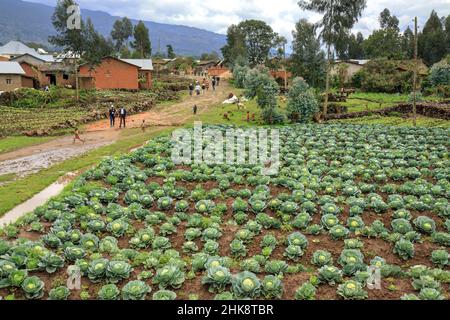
(346, 198)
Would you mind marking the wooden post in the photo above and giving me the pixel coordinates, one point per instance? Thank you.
(285, 72)
(327, 80)
(415, 74)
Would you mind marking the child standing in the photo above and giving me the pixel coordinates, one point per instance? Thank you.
(195, 109)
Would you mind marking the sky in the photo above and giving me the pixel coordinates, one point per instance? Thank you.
(217, 15)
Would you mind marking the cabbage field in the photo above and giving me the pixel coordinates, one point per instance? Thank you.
(348, 199)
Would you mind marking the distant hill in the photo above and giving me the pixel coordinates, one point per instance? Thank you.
(31, 22)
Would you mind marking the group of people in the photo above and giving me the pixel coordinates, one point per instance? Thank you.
(114, 113)
(205, 85)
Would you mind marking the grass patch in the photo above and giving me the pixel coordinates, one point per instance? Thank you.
(362, 101)
(13, 143)
(16, 192)
(397, 121)
(7, 177)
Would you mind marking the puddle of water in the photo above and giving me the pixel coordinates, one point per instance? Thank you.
(38, 200)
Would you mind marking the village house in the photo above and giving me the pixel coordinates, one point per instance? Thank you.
(219, 70)
(201, 68)
(114, 73)
(14, 49)
(145, 71)
(12, 77)
(348, 67)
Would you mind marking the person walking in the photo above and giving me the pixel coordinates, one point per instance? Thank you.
(191, 89)
(123, 117)
(198, 89)
(213, 82)
(195, 109)
(203, 85)
(76, 136)
(112, 116)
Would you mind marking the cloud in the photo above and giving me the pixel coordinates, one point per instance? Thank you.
(217, 15)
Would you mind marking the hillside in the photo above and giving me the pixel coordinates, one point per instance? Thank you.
(25, 21)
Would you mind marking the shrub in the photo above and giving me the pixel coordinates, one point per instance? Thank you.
(440, 74)
(302, 103)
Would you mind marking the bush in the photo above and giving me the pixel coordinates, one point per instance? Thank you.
(440, 74)
(259, 84)
(381, 75)
(239, 74)
(302, 103)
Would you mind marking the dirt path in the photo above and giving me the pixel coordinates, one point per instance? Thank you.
(35, 158)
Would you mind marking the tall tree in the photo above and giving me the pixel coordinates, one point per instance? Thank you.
(355, 49)
(447, 33)
(141, 42)
(387, 41)
(170, 52)
(388, 21)
(408, 43)
(69, 39)
(121, 32)
(308, 60)
(259, 39)
(339, 16)
(235, 49)
(432, 40)
(96, 46)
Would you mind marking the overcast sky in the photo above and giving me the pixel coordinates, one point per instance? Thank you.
(217, 15)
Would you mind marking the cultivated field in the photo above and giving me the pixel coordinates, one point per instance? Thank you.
(347, 197)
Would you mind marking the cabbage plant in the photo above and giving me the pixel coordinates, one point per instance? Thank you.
(169, 276)
(135, 290)
(33, 287)
(109, 292)
(352, 290)
(217, 278)
(246, 285)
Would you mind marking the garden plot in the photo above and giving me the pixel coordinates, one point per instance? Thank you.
(348, 199)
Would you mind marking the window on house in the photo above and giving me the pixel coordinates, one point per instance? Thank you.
(65, 76)
(8, 81)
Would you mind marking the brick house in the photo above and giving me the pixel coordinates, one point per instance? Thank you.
(111, 73)
(13, 77)
(145, 71)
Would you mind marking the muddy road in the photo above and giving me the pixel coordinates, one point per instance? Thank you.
(98, 134)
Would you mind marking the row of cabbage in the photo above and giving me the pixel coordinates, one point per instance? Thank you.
(341, 174)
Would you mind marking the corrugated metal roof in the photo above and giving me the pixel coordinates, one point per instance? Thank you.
(144, 64)
(7, 67)
(15, 48)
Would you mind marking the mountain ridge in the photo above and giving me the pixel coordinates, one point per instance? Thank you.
(31, 22)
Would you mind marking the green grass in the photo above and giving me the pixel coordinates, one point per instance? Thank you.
(18, 191)
(7, 177)
(397, 121)
(362, 101)
(9, 144)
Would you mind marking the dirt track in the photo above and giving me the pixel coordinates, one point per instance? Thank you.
(35, 158)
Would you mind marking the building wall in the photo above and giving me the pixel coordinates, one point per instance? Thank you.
(29, 59)
(351, 70)
(16, 82)
(27, 82)
(112, 74)
(147, 77)
(217, 71)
